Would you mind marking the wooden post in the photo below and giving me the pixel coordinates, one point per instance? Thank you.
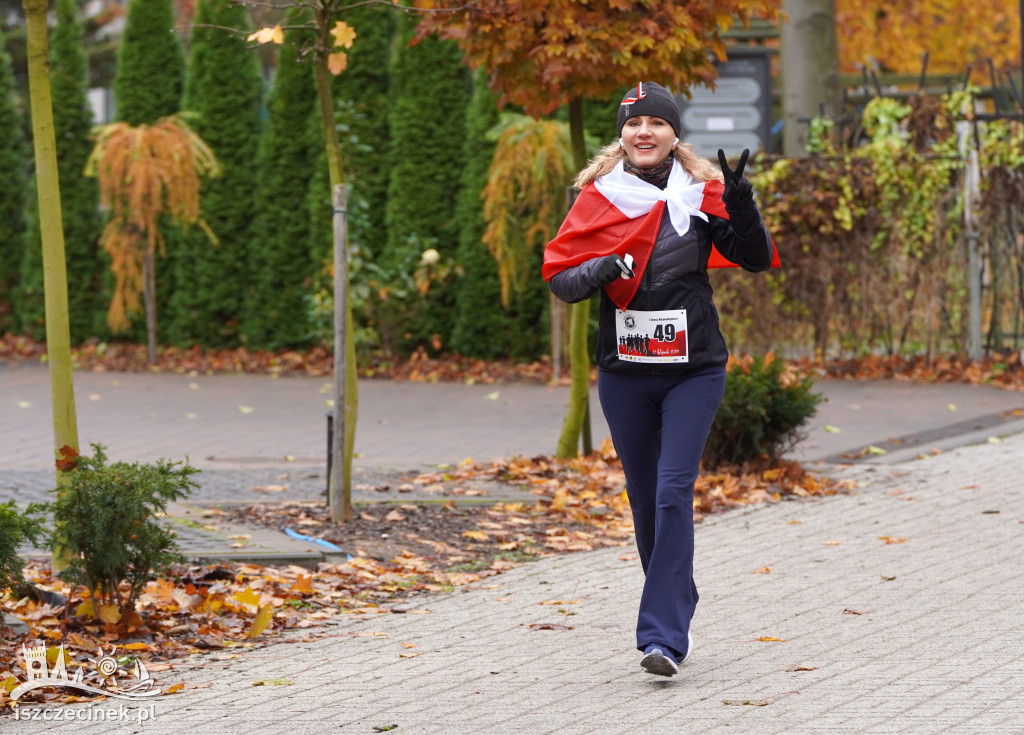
(339, 497)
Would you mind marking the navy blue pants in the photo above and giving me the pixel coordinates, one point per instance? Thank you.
(659, 424)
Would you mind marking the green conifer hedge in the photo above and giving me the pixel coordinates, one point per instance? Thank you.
(223, 88)
(14, 157)
(79, 196)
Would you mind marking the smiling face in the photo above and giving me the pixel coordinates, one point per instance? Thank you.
(647, 140)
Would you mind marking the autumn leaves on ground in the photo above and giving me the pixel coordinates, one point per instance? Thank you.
(392, 552)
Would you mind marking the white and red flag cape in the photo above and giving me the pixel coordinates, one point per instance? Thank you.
(620, 213)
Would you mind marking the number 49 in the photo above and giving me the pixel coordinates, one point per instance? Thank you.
(665, 333)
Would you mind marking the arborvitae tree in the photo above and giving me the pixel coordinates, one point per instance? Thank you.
(148, 85)
(599, 117)
(280, 261)
(14, 158)
(150, 64)
(481, 325)
(429, 95)
(223, 87)
(79, 195)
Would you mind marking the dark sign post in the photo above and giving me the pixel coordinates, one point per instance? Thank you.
(737, 113)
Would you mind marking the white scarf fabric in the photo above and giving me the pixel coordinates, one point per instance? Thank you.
(634, 197)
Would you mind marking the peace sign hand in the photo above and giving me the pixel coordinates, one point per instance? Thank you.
(736, 187)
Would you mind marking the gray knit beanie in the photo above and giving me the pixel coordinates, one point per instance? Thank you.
(649, 98)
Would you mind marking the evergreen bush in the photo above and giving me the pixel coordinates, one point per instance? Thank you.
(150, 64)
(14, 162)
(223, 87)
(430, 90)
(280, 258)
(764, 407)
(106, 527)
(482, 326)
(16, 527)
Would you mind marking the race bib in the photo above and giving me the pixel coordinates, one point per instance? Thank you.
(652, 336)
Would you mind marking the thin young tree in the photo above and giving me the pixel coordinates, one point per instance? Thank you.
(326, 39)
(146, 173)
(58, 333)
(147, 89)
(543, 54)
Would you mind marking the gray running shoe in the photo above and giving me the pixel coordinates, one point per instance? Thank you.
(656, 662)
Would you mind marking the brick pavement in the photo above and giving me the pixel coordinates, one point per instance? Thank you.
(263, 439)
(917, 636)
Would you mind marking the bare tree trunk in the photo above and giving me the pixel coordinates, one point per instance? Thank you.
(149, 295)
(809, 58)
(577, 413)
(55, 277)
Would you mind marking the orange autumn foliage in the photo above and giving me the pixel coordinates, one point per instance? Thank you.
(541, 53)
(144, 173)
(955, 33)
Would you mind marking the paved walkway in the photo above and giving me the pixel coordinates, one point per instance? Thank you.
(896, 609)
(262, 439)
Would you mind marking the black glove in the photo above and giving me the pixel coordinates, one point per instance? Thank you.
(610, 268)
(737, 188)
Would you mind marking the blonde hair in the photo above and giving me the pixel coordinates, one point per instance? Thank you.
(701, 169)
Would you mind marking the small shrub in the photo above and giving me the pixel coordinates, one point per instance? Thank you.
(105, 524)
(764, 408)
(16, 527)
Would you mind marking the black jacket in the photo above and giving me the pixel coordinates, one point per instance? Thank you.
(676, 277)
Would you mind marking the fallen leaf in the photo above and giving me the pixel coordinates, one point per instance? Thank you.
(752, 702)
(831, 543)
(762, 570)
(282, 682)
(770, 639)
(848, 611)
(799, 667)
(174, 688)
(872, 449)
(833, 429)
(246, 409)
(892, 539)
(550, 626)
(247, 597)
(261, 621)
(109, 614)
